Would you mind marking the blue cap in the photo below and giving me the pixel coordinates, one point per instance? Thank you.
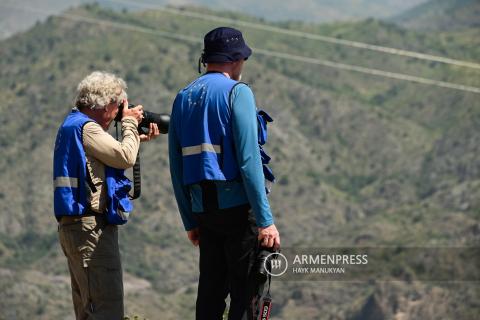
(224, 45)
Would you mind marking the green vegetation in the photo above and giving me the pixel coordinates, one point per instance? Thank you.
(442, 15)
(361, 160)
(15, 20)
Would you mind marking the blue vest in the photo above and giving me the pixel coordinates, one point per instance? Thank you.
(70, 175)
(205, 131)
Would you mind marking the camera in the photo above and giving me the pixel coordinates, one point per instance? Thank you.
(161, 119)
(261, 303)
(263, 264)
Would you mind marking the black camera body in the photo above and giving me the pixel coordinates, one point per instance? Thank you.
(261, 303)
(263, 263)
(161, 119)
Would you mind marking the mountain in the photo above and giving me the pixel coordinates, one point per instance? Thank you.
(314, 10)
(16, 16)
(360, 160)
(19, 15)
(442, 15)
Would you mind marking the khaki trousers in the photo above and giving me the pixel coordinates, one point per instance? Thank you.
(91, 248)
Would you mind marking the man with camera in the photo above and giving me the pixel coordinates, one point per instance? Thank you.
(91, 192)
(217, 175)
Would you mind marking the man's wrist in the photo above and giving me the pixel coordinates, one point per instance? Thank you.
(130, 119)
(265, 224)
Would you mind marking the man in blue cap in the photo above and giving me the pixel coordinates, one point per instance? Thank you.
(217, 175)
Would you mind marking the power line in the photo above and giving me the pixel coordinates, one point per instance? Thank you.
(287, 56)
(308, 35)
(370, 71)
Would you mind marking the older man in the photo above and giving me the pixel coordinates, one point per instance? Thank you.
(91, 192)
(217, 175)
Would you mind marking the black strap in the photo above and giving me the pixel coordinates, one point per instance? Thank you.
(201, 61)
(269, 283)
(137, 178)
(89, 180)
(116, 130)
(230, 102)
(88, 177)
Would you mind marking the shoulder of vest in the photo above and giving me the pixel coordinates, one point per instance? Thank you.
(231, 91)
(240, 82)
(85, 123)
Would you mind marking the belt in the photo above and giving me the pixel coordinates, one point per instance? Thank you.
(73, 219)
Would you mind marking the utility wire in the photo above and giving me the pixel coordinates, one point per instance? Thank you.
(306, 35)
(370, 71)
(286, 56)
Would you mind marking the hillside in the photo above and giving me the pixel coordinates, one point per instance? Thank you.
(443, 15)
(371, 161)
(19, 15)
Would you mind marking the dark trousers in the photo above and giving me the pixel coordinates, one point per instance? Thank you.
(228, 242)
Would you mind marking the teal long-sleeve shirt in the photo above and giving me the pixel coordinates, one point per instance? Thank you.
(249, 189)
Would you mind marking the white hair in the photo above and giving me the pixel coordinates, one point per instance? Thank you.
(99, 89)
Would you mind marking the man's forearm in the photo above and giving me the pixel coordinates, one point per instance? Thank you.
(102, 146)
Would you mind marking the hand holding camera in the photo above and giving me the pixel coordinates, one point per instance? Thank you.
(269, 237)
(145, 119)
(136, 112)
(153, 132)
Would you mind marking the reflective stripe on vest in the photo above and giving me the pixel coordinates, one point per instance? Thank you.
(204, 147)
(65, 182)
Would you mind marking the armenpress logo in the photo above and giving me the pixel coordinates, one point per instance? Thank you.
(279, 264)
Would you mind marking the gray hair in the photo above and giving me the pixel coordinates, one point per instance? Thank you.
(99, 89)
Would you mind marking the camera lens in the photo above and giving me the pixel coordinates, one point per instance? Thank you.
(162, 120)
